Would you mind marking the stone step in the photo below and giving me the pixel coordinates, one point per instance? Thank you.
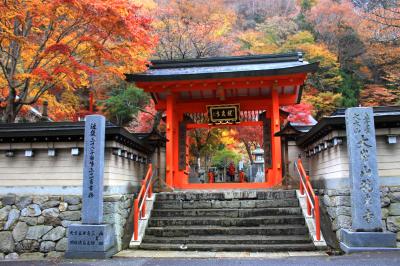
(230, 247)
(180, 231)
(231, 240)
(225, 212)
(222, 221)
(217, 204)
(227, 195)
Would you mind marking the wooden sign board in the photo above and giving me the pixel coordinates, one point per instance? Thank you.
(223, 114)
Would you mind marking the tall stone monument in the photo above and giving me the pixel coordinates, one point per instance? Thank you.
(92, 238)
(366, 233)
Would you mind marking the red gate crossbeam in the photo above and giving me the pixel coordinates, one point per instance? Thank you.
(227, 83)
(311, 199)
(139, 204)
(245, 123)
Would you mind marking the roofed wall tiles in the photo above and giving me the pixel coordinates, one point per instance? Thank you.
(65, 170)
(333, 163)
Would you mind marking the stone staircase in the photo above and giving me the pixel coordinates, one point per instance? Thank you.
(227, 221)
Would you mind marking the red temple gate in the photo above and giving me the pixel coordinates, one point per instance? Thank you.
(259, 84)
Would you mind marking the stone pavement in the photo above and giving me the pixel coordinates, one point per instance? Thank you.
(227, 259)
(209, 254)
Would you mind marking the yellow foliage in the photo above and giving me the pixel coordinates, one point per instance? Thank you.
(300, 38)
(227, 137)
(146, 4)
(254, 42)
(324, 103)
(328, 77)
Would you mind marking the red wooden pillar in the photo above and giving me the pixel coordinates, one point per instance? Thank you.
(170, 140)
(186, 176)
(276, 141)
(177, 174)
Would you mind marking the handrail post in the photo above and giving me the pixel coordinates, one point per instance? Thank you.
(136, 219)
(299, 164)
(317, 218)
(150, 190)
(144, 201)
(151, 183)
(145, 192)
(301, 187)
(308, 197)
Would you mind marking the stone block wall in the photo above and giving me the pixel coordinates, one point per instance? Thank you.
(338, 205)
(36, 226)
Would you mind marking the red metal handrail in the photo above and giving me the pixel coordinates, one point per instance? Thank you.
(306, 188)
(139, 204)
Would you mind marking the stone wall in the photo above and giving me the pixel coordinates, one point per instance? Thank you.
(338, 205)
(36, 226)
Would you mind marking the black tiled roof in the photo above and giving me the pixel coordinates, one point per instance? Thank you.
(224, 67)
(384, 117)
(66, 131)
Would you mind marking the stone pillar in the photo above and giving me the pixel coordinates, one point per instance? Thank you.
(366, 233)
(92, 239)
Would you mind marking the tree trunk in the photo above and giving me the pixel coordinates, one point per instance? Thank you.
(196, 162)
(224, 170)
(15, 47)
(157, 120)
(248, 149)
(10, 112)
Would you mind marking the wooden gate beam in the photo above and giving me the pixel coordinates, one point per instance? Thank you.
(241, 124)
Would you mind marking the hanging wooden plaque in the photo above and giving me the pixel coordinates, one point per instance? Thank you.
(223, 114)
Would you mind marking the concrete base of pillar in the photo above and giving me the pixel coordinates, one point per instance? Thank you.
(90, 241)
(352, 242)
(91, 254)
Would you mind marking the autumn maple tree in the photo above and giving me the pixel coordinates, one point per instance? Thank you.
(147, 120)
(383, 12)
(331, 20)
(250, 136)
(376, 95)
(323, 103)
(380, 31)
(193, 29)
(299, 113)
(49, 47)
(202, 141)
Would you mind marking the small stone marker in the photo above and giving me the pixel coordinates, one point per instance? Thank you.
(366, 232)
(92, 239)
